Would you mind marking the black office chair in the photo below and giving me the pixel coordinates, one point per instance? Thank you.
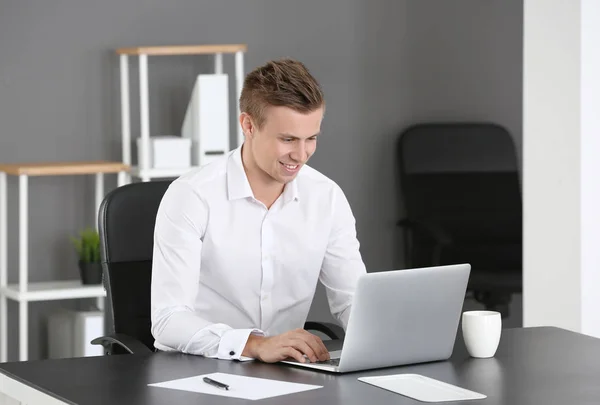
(461, 191)
(126, 226)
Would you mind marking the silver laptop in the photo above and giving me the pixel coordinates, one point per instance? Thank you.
(401, 317)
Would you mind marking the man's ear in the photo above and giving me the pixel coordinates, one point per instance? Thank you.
(247, 124)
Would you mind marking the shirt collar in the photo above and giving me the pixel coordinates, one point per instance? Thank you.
(290, 192)
(238, 186)
(237, 182)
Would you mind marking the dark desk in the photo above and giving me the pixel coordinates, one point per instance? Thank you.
(532, 366)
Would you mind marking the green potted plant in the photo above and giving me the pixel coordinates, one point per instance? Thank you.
(87, 246)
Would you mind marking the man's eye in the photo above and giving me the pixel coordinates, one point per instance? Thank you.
(287, 139)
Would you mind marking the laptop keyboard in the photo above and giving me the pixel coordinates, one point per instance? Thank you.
(332, 362)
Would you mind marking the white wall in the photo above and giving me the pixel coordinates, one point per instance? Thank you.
(590, 166)
(561, 224)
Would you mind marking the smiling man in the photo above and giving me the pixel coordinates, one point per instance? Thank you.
(240, 244)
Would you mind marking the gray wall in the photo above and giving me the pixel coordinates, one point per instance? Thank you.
(465, 61)
(431, 61)
(384, 64)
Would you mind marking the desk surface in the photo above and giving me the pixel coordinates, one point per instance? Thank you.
(532, 366)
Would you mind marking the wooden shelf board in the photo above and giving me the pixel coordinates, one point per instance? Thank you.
(53, 290)
(63, 168)
(160, 173)
(183, 49)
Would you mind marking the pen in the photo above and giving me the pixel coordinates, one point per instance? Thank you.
(215, 383)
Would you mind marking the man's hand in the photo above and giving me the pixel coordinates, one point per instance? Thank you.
(294, 344)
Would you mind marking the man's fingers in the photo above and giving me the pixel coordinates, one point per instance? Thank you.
(293, 353)
(317, 345)
(324, 352)
(304, 347)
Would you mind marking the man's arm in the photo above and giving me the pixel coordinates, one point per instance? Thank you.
(178, 234)
(343, 264)
(179, 231)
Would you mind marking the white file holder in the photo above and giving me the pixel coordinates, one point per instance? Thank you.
(168, 152)
(206, 120)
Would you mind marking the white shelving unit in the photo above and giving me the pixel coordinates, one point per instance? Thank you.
(24, 291)
(143, 171)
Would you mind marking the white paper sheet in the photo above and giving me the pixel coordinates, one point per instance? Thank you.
(422, 388)
(239, 386)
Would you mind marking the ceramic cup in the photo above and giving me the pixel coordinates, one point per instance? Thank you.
(481, 332)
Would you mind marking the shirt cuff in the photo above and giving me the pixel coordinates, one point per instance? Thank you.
(233, 342)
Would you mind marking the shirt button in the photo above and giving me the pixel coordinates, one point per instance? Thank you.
(231, 353)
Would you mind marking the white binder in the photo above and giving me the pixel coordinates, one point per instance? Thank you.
(206, 120)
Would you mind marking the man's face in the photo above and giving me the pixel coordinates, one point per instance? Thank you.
(285, 142)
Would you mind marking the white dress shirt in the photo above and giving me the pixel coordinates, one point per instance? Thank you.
(225, 266)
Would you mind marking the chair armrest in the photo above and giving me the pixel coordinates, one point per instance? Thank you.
(331, 330)
(437, 233)
(128, 343)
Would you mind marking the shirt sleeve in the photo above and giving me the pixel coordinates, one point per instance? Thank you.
(342, 265)
(179, 230)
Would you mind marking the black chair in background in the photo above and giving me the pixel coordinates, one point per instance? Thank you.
(126, 226)
(462, 198)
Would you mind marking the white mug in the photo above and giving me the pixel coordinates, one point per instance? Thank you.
(481, 332)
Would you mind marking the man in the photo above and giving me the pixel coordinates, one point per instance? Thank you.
(241, 243)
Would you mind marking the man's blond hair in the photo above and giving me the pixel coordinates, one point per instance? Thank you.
(285, 82)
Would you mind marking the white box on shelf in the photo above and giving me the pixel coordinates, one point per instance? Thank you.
(167, 152)
(206, 120)
(70, 333)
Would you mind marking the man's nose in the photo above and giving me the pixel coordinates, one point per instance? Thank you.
(299, 154)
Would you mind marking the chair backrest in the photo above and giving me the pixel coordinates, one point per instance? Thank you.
(126, 227)
(464, 179)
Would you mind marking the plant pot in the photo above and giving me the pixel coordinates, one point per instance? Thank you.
(90, 272)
